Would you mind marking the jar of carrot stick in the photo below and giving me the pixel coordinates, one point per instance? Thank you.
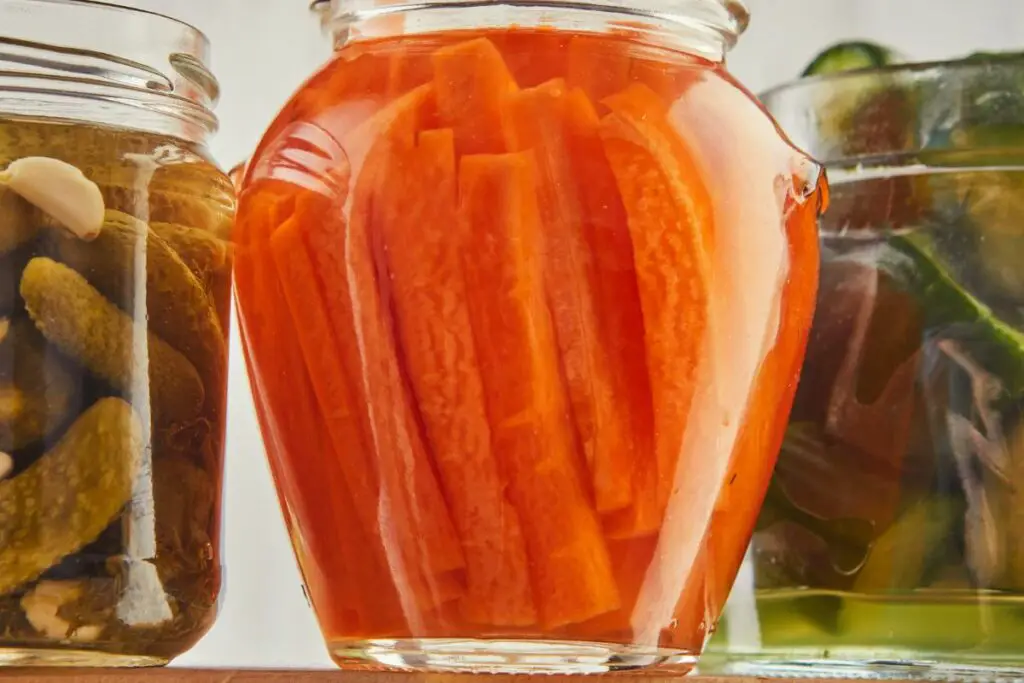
(525, 291)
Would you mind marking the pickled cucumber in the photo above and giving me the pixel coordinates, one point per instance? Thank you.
(39, 382)
(178, 309)
(73, 315)
(66, 498)
(900, 557)
(170, 206)
(17, 224)
(851, 56)
(203, 253)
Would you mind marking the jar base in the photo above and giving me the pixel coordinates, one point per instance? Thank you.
(59, 657)
(866, 664)
(458, 655)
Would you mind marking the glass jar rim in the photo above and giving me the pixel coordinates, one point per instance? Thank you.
(728, 19)
(926, 102)
(144, 69)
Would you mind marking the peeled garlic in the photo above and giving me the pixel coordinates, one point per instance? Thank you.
(6, 464)
(43, 602)
(60, 190)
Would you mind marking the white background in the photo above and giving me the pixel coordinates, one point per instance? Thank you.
(263, 49)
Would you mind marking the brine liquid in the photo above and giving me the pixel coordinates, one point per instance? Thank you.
(113, 369)
(891, 535)
(521, 321)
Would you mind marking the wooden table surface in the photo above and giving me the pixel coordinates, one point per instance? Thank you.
(283, 676)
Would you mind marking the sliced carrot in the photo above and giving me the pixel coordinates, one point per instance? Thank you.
(396, 123)
(622, 325)
(322, 358)
(536, 120)
(303, 457)
(500, 238)
(670, 221)
(418, 533)
(419, 199)
(598, 64)
(621, 317)
(473, 84)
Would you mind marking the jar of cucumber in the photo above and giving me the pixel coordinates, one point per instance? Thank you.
(890, 542)
(114, 292)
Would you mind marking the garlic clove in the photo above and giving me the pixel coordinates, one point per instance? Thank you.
(60, 190)
(6, 465)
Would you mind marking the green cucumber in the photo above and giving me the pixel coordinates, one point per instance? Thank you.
(851, 56)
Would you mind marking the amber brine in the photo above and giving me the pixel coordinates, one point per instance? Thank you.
(524, 309)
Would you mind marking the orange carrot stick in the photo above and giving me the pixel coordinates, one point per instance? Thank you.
(357, 497)
(670, 220)
(302, 456)
(500, 240)
(536, 120)
(419, 537)
(320, 351)
(433, 323)
(472, 85)
(622, 325)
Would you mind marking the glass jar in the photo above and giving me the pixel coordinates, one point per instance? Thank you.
(115, 282)
(522, 326)
(889, 543)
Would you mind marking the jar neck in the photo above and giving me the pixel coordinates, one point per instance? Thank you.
(707, 28)
(98, 63)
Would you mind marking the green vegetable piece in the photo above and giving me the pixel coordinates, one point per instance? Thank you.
(204, 254)
(851, 56)
(86, 326)
(70, 495)
(913, 263)
(176, 196)
(17, 224)
(901, 556)
(37, 389)
(177, 307)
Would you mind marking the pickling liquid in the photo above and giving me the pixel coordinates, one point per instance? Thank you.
(890, 542)
(522, 325)
(113, 367)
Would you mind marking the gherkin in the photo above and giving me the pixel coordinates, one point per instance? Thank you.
(38, 386)
(203, 253)
(177, 307)
(179, 205)
(65, 499)
(76, 318)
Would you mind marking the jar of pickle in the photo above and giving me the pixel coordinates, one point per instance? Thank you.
(889, 542)
(522, 326)
(115, 282)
